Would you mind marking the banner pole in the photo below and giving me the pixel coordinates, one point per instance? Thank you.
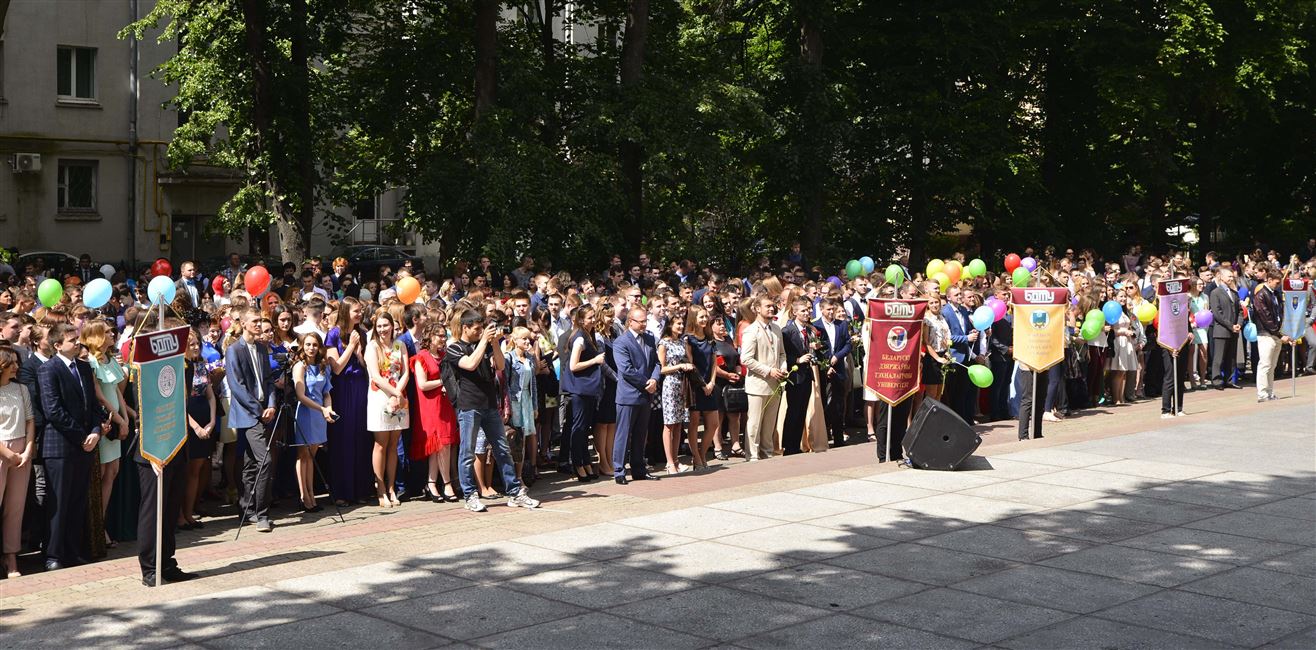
(159, 494)
(889, 409)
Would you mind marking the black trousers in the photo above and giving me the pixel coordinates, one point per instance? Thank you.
(1030, 413)
(1224, 358)
(1172, 374)
(899, 424)
(797, 406)
(175, 488)
(583, 408)
(833, 395)
(256, 473)
(68, 479)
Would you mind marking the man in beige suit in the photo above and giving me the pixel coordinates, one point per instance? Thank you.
(764, 354)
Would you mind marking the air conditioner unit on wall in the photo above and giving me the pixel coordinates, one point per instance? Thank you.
(25, 162)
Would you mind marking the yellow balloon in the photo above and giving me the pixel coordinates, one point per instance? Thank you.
(934, 267)
(941, 279)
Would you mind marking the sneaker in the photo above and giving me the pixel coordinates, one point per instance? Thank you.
(473, 504)
(523, 500)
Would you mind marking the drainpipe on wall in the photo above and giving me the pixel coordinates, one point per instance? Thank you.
(133, 92)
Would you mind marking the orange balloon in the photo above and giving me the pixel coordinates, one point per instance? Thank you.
(408, 290)
(953, 269)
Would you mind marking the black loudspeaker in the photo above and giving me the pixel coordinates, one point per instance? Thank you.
(938, 438)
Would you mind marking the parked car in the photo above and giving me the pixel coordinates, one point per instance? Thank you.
(364, 261)
(56, 264)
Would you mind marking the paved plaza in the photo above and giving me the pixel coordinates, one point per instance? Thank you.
(1118, 530)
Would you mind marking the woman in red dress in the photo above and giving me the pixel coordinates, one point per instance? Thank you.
(435, 436)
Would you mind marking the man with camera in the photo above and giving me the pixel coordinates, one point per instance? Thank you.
(251, 387)
(470, 367)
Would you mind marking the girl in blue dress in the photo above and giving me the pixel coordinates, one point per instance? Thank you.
(312, 381)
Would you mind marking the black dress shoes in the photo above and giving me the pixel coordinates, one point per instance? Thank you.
(621, 480)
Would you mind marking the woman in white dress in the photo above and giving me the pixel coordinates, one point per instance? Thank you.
(386, 403)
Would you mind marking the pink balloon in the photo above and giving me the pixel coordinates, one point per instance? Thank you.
(998, 307)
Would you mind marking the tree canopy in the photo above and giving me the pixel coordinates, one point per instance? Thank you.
(719, 129)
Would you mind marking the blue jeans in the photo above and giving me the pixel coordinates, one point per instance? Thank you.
(490, 421)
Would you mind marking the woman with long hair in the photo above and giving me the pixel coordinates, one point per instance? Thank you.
(605, 417)
(436, 433)
(386, 403)
(201, 421)
(348, 442)
(582, 377)
(313, 382)
(110, 377)
(674, 361)
(705, 407)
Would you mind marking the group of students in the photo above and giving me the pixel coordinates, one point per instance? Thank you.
(469, 391)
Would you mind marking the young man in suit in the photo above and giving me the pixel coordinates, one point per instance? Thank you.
(835, 376)
(763, 353)
(1225, 326)
(72, 430)
(636, 355)
(251, 390)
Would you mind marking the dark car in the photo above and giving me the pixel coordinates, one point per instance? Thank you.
(364, 261)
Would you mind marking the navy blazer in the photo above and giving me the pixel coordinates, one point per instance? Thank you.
(841, 335)
(636, 365)
(71, 412)
(960, 348)
(241, 380)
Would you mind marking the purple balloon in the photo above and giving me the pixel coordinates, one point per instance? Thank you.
(1203, 318)
(1028, 263)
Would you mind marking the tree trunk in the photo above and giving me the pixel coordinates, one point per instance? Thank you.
(632, 153)
(486, 55)
(813, 176)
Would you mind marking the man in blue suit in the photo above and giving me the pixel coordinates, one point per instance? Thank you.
(960, 394)
(72, 431)
(836, 347)
(636, 354)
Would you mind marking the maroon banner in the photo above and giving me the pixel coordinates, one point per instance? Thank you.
(895, 346)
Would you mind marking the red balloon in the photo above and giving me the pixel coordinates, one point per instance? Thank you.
(218, 285)
(162, 267)
(1011, 263)
(256, 280)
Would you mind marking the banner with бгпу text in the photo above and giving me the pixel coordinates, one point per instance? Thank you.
(1297, 295)
(895, 344)
(1039, 326)
(161, 395)
(1175, 325)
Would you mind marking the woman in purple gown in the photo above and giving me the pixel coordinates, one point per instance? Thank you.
(350, 475)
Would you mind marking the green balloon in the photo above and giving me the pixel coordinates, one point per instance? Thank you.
(1093, 323)
(853, 268)
(50, 291)
(977, 268)
(1021, 276)
(980, 376)
(895, 275)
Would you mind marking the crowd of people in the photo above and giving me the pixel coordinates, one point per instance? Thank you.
(470, 390)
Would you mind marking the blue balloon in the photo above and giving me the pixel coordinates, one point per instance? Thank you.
(161, 290)
(1112, 311)
(1250, 332)
(867, 263)
(97, 293)
(1242, 292)
(982, 318)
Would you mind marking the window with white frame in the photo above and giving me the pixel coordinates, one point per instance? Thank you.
(76, 72)
(77, 185)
